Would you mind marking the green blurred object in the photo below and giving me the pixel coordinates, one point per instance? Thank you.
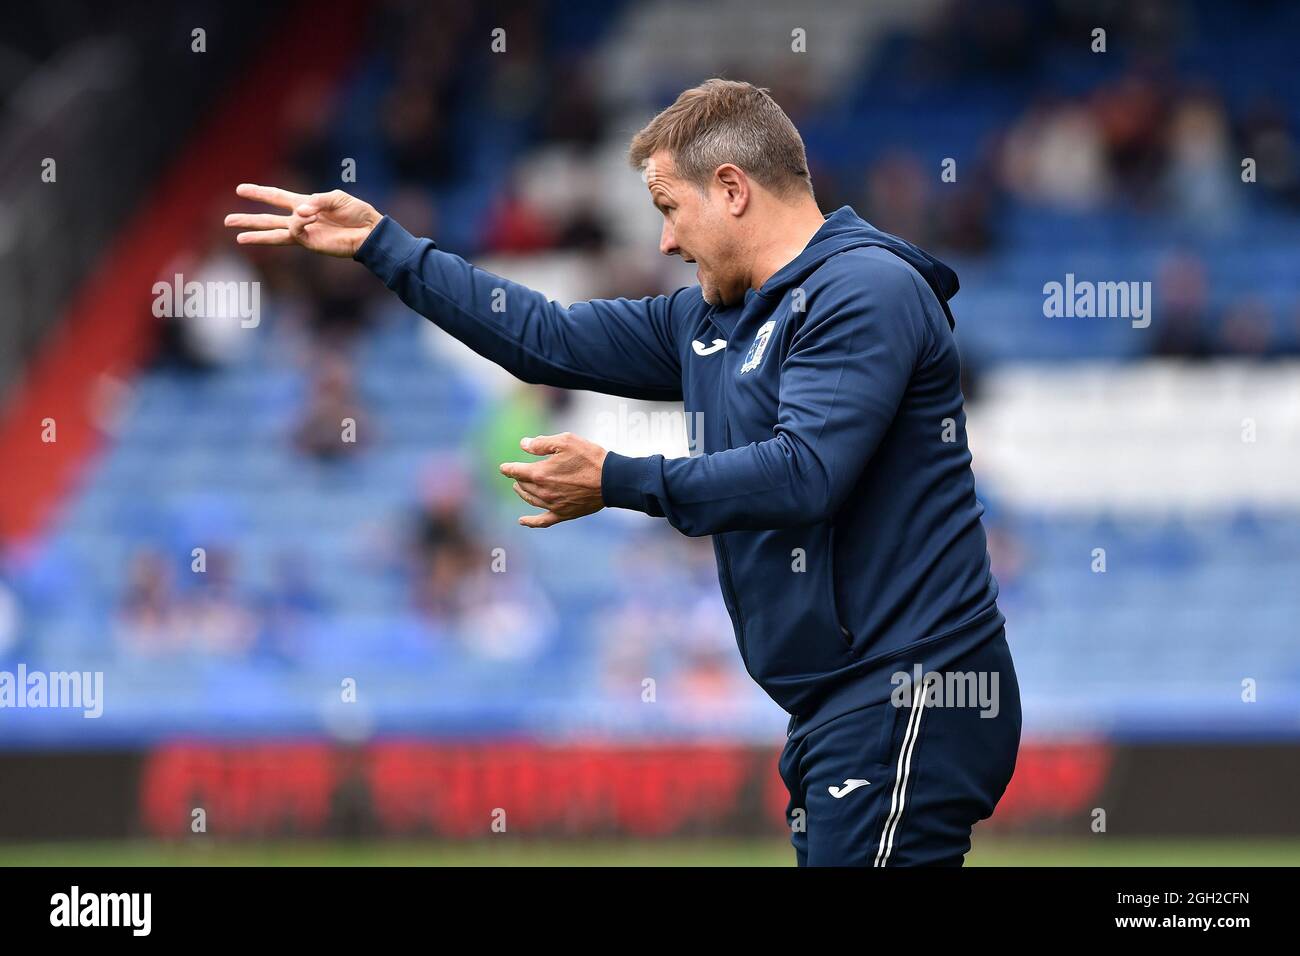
(520, 414)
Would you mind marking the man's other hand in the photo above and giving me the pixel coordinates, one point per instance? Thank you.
(565, 486)
(332, 223)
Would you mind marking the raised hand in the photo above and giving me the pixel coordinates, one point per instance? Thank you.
(566, 485)
(331, 223)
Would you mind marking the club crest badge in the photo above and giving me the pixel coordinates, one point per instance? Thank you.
(758, 349)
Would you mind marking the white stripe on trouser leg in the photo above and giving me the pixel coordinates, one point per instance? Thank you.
(899, 798)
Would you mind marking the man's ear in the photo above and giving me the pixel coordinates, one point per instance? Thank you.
(733, 182)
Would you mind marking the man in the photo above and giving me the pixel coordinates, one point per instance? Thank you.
(835, 477)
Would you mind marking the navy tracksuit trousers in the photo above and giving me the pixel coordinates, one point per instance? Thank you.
(901, 783)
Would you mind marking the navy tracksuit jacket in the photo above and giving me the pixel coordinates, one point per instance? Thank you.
(835, 477)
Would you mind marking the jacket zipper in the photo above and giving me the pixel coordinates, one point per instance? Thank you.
(728, 582)
(845, 634)
(730, 589)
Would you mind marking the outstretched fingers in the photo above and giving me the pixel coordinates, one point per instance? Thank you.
(240, 220)
(269, 229)
(266, 237)
(532, 494)
(271, 195)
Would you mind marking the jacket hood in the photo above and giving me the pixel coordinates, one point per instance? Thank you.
(844, 229)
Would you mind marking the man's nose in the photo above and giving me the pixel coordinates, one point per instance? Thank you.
(667, 241)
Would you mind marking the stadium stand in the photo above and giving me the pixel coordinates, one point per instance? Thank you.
(1172, 448)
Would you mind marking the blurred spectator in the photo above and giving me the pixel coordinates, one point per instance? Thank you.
(669, 624)
(1268, 139)
(209, 338)
(308, 128)
(584, 231)
(1131, 115)
(1056, 155)
(517, 83)
(479, 596)
(333, 426)
(572, 112)
(148, 620)
(210, 617)
(965, 212)
(214, 616)
(444, 551)
(1247, 329)
(903, 198)
(896, 197)
(414, 126)
(1183, 319)
(977, 36)
(412, 205)
(337, 295)
(288, 610)
(515, 226)
(502, 615)
(1201, 179)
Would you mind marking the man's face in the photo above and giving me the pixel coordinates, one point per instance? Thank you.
(697, 228)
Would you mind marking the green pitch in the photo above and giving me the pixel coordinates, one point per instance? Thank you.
(1100, 850)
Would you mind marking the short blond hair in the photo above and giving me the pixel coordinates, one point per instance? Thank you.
(726, 121)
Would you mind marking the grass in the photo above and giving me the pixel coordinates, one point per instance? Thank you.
(1099, 850)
